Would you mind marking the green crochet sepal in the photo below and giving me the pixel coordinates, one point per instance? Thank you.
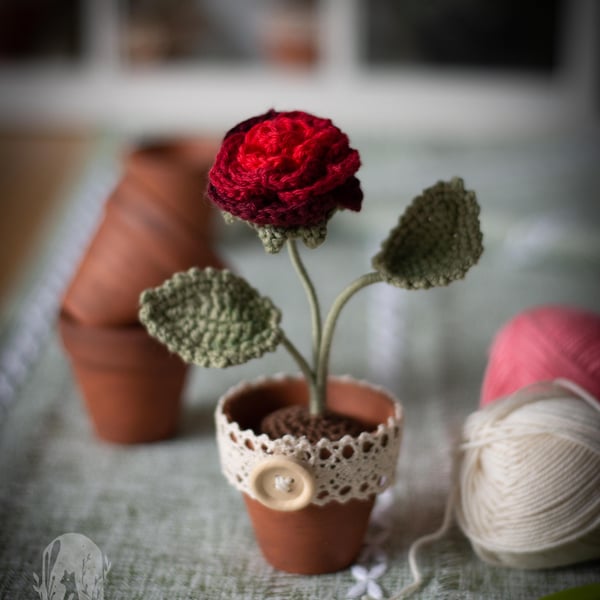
(273, 238)
(211, 318)
(437, 240)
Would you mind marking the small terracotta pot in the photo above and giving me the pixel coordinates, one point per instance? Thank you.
(175, 173)
(156, 222)
(316, 522)
(134, 248)
(130, 383)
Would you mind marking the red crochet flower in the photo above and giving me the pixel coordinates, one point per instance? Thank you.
(285, 169)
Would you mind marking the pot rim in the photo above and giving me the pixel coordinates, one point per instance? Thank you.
(189, 154)
(354, 467)
(281, 377)
(87, 345)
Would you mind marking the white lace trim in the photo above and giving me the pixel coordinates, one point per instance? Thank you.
(350, 468)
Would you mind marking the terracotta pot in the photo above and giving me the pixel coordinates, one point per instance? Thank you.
(136, 246)
(309, 503)
(175, 174)
(130, 383)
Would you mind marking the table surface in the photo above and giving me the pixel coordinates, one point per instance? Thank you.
(163, 513)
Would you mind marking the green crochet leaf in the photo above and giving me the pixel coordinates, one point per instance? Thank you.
(273, 238)
(211, 318)
(437, 240)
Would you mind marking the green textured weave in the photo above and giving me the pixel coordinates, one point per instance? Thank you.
(211, 318)
(437, 240)
(273, 238)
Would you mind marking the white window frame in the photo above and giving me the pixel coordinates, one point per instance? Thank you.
(366, 100)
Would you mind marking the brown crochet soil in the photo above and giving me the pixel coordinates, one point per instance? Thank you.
(297, 421)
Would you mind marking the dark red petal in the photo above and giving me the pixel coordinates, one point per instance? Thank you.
(300, 187)
(350, 195)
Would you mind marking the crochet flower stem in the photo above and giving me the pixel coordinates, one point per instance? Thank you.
(308, 373)
(213, 318)
(311, 294)
(328, 329)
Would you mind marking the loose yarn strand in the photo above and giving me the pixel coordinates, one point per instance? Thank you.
(579, 391)
(424, 540)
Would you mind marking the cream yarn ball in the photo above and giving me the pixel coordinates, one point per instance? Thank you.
(528, 489)
(527, 481)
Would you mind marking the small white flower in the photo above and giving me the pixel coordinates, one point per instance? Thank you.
(366, 582)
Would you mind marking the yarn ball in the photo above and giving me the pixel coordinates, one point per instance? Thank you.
(542, 344)
(528, 493)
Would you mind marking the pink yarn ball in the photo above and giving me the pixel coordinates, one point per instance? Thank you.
(541, 344)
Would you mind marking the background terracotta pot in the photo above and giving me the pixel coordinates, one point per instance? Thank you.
(155, 223)
(135, 247)
(316, 538)
(131, 384)
(175, 173)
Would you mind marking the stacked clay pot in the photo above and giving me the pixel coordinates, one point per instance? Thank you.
(156, 222)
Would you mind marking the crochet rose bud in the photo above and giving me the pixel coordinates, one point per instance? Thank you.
(286, 170)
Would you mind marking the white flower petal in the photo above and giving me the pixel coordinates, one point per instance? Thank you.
(377, 571)
(357, 590)
(374, 591)
(360, 573)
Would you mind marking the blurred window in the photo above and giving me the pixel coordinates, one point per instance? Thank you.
(167, 31)
(506, 34)
(40, 31)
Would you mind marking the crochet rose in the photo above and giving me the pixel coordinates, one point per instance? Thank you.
(285, 169)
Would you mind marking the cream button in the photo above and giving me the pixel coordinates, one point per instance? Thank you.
(282, 483)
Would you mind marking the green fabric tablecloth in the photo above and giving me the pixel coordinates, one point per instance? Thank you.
(163, 513)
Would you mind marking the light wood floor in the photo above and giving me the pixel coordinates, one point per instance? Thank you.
(35, 172)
